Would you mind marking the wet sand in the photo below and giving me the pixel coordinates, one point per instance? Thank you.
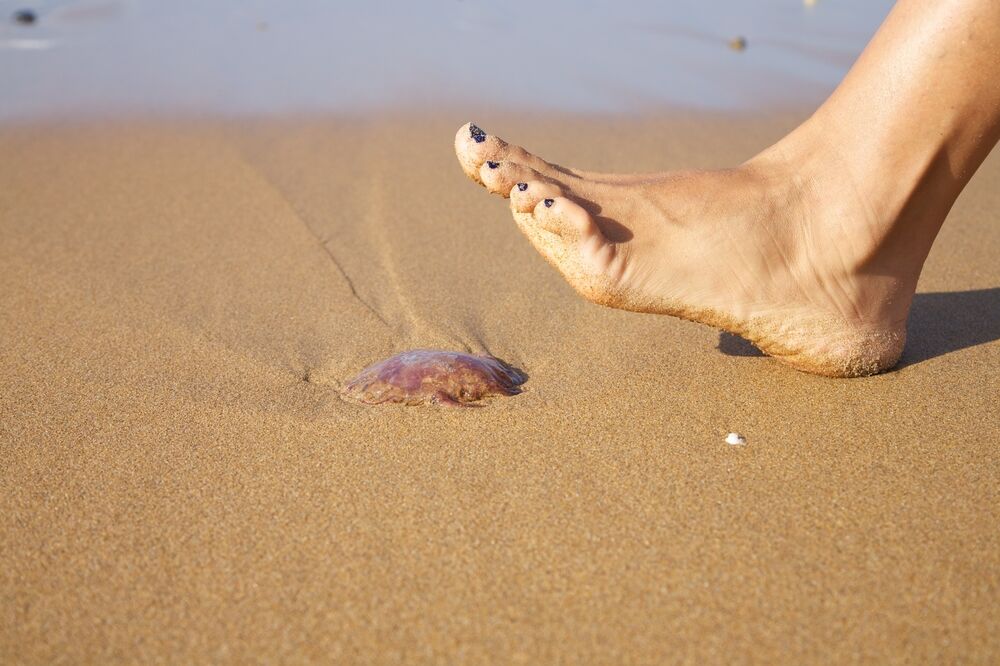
(181, 301)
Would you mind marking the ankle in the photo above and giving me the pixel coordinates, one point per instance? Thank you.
(796, 171)
(860, 228)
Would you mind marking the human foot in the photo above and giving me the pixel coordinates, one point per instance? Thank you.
(782, 251)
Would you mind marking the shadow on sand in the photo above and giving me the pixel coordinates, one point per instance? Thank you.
(940, 323)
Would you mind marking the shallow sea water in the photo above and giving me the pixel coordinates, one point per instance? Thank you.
(91, 57)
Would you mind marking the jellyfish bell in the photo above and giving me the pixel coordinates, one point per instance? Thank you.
(424, 376)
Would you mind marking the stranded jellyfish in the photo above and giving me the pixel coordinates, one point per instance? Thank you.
(438, 377)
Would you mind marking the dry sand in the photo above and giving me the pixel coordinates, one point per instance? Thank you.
(179, 302)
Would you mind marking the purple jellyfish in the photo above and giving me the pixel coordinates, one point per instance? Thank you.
(437, 377)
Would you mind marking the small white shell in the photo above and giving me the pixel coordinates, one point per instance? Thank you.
(736, 439)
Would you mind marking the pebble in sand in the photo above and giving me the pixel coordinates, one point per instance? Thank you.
(24, 17)
(736, 439)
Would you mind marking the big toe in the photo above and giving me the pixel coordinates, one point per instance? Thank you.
(565, 218)
(567, 236)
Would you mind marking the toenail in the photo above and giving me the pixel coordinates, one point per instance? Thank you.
(477, 134)
(548, 203)
(493, 165)
(522, 186)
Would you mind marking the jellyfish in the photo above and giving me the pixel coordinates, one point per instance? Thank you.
(424, 376)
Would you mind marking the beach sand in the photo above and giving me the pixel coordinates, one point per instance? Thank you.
(180, 302)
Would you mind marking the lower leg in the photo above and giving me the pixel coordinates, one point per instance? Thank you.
(912, 121)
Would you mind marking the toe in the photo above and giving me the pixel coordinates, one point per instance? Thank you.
(525, 195)
(573, 242)
(564, 217)
(474, 147)
(499, 177)
(567, 236)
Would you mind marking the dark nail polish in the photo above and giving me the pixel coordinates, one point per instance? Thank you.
(493, 165)
(522, 186)
(548, 203)
(477, 134)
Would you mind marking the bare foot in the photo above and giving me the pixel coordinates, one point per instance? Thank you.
(783, 250)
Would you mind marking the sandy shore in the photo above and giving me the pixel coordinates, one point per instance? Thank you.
(179, 303)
